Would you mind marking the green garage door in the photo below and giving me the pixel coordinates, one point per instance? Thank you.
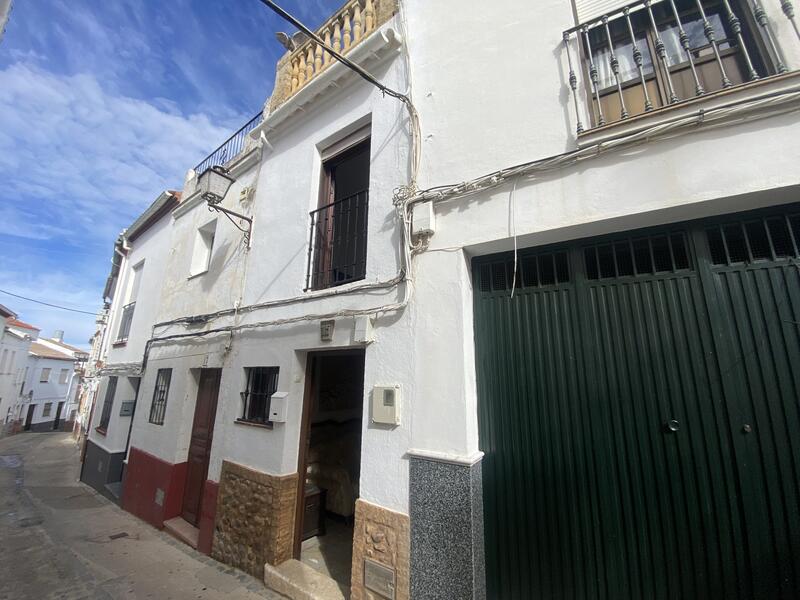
(639, 407)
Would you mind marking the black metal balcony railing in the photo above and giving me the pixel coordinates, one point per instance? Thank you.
(230, 148)
(654, 53)
(125, 322)
(337, 251)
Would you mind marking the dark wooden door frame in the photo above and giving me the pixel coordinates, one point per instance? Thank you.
(214, 399)
(57, 420)
(312, 359)
(29, 417)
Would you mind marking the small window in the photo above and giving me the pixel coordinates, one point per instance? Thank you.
(48, 407)
(108, 403)
(159, 406)
(62, 376)
(262, 382)
(203, 248)
(45, 376)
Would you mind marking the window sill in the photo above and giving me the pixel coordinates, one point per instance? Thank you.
(721, 98)
(101, 431)
(257, 424)
(195, 275)
(120, 343)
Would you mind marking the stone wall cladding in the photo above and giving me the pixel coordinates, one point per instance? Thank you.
(254, 523)
(384, 536)
(384, 10)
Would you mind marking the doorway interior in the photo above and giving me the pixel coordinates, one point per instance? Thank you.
(330, 458)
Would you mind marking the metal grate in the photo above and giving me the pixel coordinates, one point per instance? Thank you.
(337, 251)
(767, 239)
(108, 403)
(534, 271)
(125, 322)
(159, 406)
(230, 148)
(262, 383)
(657, 254)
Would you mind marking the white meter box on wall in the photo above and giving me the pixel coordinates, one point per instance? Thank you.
(386, 405)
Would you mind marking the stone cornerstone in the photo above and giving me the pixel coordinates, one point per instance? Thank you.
(255, 518)
(383, 536)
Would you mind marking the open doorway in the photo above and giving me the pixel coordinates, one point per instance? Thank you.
(330, 458)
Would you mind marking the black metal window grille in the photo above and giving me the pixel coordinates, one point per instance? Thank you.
(159, 406)
(768, 239)
(262, 382)
(338, 242)
(535, 271)
(125, 322)
(230, 148)
(108, 403)
(653, 255)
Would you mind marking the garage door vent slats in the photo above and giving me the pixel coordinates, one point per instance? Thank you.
(633, 257)
(533, 272)
(772, 238)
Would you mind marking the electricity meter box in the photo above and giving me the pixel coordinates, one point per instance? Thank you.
(386, 405)
(278, 407)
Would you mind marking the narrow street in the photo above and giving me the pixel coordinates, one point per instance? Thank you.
(60, 539)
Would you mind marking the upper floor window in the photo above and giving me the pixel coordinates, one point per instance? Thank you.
(62, 376)
(262, 382)
(108, 404)
(126, 319)
(338, 239)
(45, 376)
(159, 406)
(203, 248)
(652, 55)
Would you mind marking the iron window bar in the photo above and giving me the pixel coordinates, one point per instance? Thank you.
(158, 408)
(230, 148)
(337, 245)
(262, 383)
(653, 38)
(108, 403)
(125, 322)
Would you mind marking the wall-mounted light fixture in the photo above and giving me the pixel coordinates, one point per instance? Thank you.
(213, 185)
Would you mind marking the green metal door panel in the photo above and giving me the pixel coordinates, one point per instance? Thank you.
(760, 306)
(638, 408)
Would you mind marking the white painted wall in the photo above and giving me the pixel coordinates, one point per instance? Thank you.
(13, 359)
(52, 391)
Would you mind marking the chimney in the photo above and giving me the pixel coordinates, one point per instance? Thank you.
(58, 336)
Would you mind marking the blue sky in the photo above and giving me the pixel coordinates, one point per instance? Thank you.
(104, 104)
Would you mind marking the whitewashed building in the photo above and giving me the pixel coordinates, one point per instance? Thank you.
(132, 292)
(514, 315)
(15, 340)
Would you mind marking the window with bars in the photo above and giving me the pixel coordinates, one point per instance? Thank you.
(108, 403)
(262, 382)
(767, 239)
(654, 255)
(159, 406)
(338, 237)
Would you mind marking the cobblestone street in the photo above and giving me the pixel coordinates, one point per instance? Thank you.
(60, 539)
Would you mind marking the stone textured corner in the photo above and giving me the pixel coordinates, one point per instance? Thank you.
(384, 536)
(255, 518)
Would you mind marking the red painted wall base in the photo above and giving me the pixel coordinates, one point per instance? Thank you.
(208, 511)
(153, 488)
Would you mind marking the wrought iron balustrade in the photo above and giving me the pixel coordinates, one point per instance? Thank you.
(337, 251)
(230, 148)
(651, 54)
(125, 322)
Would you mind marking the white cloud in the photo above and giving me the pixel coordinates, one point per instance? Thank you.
(88, 159)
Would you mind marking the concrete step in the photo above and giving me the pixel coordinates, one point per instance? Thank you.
(115, 489)
(182, 530)
(297, 581)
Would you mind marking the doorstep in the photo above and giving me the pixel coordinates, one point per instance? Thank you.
(183, 530)
(298, 581)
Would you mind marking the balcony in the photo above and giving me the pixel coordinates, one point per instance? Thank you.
(345, 30)
(650, 55)
(230, 148)
(337, 251)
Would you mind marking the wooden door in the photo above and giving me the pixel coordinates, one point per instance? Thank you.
(205, 412)
(29, 418)
(57, 420)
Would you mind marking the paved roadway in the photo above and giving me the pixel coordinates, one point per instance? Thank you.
(60, 539)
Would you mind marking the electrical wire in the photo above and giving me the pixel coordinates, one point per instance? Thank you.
(85, 312)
